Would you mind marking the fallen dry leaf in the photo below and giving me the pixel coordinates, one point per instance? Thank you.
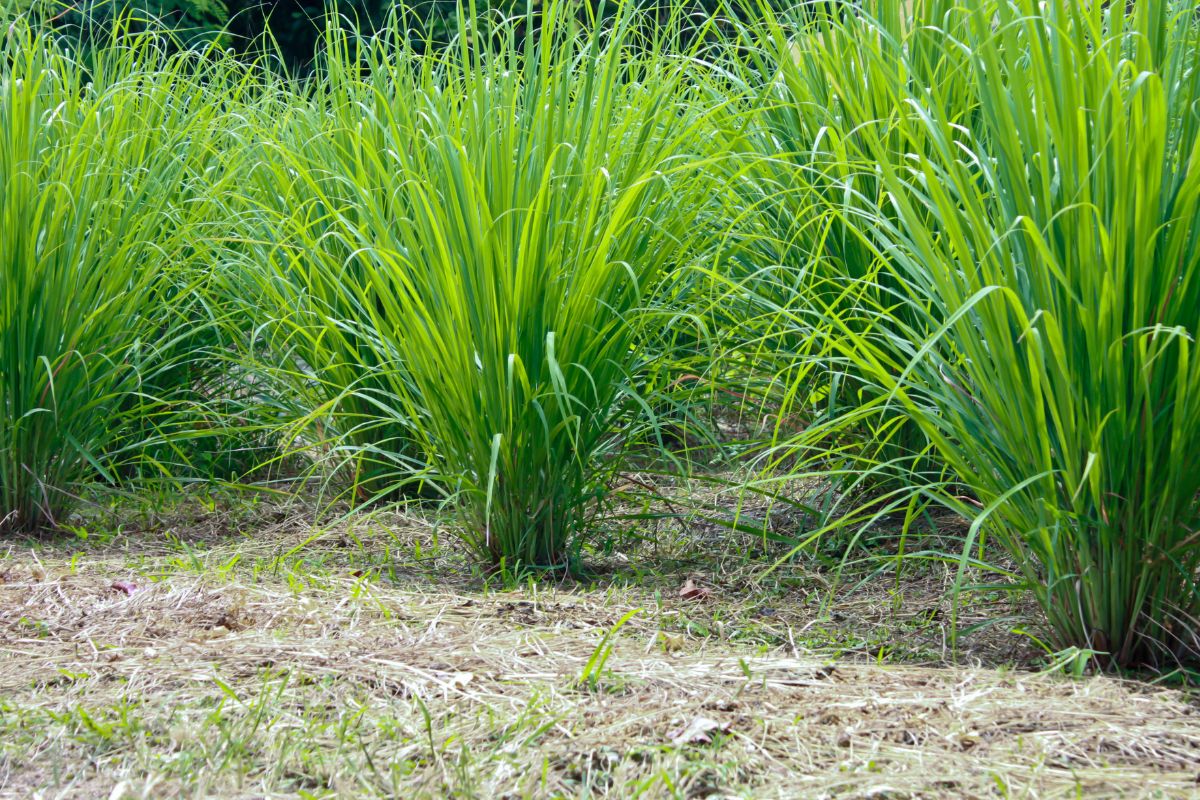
(699, 731)
(690, 591)
(128, 587)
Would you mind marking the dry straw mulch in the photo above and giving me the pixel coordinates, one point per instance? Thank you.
(266, 686)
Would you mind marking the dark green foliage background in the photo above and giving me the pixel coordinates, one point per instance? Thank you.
(294, 25)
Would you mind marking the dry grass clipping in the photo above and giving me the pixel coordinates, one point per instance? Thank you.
(274, 685)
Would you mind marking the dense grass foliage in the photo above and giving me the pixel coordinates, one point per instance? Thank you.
(821, 83)
(100, 203)
(1066, 383)
(463, 246)
(939, 251)
(1033, 223)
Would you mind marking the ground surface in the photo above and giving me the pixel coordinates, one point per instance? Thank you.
(249, 654)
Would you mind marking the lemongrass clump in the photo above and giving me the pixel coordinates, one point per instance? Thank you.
(468, 241)
(1051, 275)
(101, 157)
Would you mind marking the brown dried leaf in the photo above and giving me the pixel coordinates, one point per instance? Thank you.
(690, 591)
(128, 587)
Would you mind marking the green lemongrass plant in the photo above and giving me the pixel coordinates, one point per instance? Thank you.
(469, 242)
(101, 160)
(821, 77)
(1050, 255)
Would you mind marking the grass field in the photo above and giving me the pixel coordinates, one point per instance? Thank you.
(786, 401)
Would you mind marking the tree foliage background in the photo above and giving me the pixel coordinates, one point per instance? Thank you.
(293, 25)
